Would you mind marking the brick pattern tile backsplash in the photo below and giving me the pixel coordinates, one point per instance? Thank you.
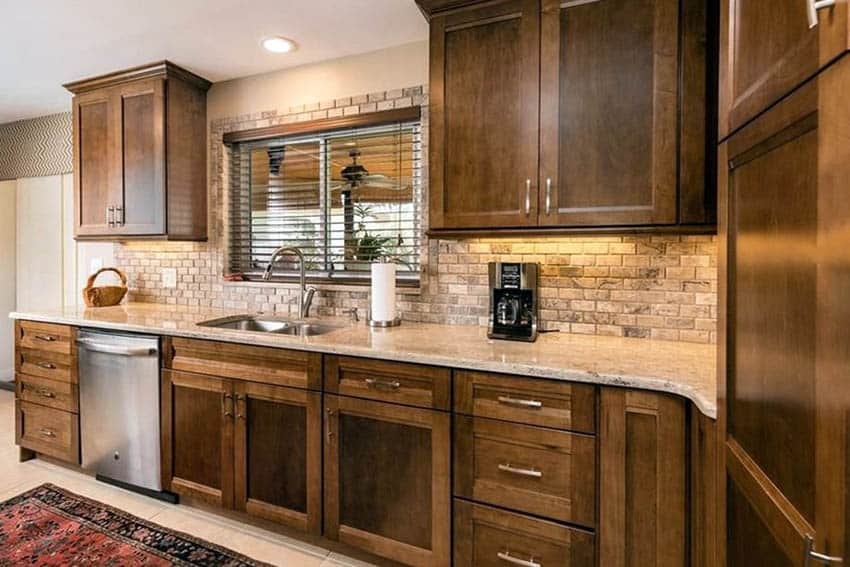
(646, 286)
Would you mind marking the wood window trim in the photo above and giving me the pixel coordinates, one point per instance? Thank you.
(325, 125)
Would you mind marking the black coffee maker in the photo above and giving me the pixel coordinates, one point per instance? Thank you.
(513, 301)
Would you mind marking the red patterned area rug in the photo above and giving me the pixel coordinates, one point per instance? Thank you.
(51, 526)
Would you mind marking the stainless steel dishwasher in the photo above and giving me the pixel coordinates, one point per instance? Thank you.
(119, 409)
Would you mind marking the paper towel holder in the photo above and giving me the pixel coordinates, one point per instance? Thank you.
(381, 324)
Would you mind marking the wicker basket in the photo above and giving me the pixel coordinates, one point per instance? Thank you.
(106, 295)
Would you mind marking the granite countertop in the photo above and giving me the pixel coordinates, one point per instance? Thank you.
(685, 369)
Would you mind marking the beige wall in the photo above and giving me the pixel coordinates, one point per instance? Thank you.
(382, 70)
(7, 278)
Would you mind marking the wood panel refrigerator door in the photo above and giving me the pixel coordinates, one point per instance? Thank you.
(140, 125)
(40, 251)
(609, 112)
(278, 451)
(197, 437)
(387, 485)
(97, 185)
(484, 116)
(769, 48)
(785, 459)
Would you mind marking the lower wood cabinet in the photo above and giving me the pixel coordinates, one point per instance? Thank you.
(642, 479)
(244, 446)
(491, 537)
(387, 488)
(48, 431)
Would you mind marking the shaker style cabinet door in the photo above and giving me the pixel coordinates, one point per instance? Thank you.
(278, 454)
(387, 486)
(197, 437)
(484, 116)
(96, 185)
(609, 112)
(784, 395)
(140, 125)
(770, 48)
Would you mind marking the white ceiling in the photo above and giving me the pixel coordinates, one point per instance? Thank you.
(44, 43)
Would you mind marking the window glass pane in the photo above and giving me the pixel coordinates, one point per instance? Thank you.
(346, 199)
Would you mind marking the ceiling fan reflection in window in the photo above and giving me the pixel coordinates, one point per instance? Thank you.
(358, 190)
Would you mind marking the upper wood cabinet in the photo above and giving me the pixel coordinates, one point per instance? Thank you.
(579, 115)
(770, 48)
(484, 116)
(140, 154)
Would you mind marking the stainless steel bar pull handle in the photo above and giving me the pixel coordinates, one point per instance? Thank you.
(812, 7)
(548, 195)
(110, 215)
(46, 338)
(46, 365)
(227, 404)
(240, 411)
(119, 215)
(47, 433)
(812, 555)
(528, 196)
(508, 558)
(516, 402)
(117, 350)
(509, 468)
(328, 429)
(383, 384)
(45, 393)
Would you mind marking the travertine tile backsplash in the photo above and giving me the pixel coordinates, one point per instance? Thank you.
(661, 287)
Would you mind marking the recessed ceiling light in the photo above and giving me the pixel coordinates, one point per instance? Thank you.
(277, 44)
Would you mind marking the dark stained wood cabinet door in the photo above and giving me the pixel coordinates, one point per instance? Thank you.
(784, 393)
(642, 484)
(768, 49)
(139, 121)
(278, 454)
(387, 487)
(484, 116)
(197, 437)
(609, 112)
(96, 185)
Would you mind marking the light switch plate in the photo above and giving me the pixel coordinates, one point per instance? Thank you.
(169, 277)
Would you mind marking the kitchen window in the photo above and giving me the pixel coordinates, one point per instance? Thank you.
(346, 196)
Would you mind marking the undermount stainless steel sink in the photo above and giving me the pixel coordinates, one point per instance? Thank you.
(264, 324)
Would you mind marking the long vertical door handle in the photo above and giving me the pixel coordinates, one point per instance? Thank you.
(548, 194)
(812, 7)
(528, 196)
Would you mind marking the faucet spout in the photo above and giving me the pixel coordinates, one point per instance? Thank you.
(305, 295)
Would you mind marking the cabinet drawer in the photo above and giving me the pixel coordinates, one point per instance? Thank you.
(51, 432)
(45, 337)
(277, 367)
(50, 393)
(540, 471)
(47, 364)
(487, 537)
(547, 403)
(397, 382)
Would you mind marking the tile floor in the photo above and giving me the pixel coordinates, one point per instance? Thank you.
(262, 545)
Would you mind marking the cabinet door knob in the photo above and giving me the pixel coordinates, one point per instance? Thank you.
(528, 196)
(812, 10)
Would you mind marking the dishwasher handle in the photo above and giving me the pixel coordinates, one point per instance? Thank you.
(94, 346)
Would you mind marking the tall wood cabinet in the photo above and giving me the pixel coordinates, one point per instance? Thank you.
(783, 394)
(140, 154)
(549, 114)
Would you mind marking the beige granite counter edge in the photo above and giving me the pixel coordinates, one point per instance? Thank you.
(707, 406)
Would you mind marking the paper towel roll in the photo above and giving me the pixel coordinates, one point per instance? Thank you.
(383, 292)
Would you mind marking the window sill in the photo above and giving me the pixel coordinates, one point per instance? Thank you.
(403, 287)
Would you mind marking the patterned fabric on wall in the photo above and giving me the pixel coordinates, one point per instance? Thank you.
(36, 147)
